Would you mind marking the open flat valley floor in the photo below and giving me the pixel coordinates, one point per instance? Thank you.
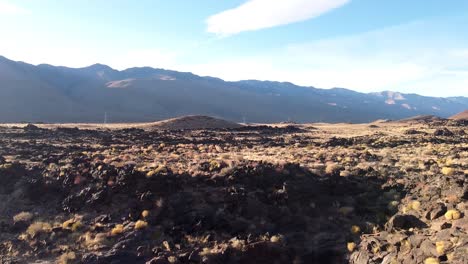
(385, 192)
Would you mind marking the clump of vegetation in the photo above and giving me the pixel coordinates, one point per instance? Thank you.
(172, 259)
(214, 165)
(431, 260)
(6, 166)
(355, 229)
(23, 217)
(237, 243)
(66, 258)
(276, 239)
(452, 214)
(393, 205)
(405, 245)
(440, 247)
(37, 228)
(140, 224)
(346, 210)
(415, 205)
(351, 246)
(332, 168)
(448, 171)
(145, 213)
(117, 230)
(72, 225)
(345, 173)
(95, 241)
(160, 169)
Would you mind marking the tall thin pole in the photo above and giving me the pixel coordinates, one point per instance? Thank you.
(105, 118)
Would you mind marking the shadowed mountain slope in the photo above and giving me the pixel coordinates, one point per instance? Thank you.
(47, 93)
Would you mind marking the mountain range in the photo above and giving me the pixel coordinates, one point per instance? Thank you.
(46, 93)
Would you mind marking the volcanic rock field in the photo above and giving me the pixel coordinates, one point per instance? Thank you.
(386, 192)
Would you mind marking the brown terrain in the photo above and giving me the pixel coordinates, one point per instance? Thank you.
(203, 190)
(460, 116)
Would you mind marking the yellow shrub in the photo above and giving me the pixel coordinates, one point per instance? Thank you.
(75, 226)
(332, 168)
(97, 240)
(393, 205)
(72, 225)
(447, 171)
(452, 214)
(23, 217)
(214, 165)
(431, 261)
(346, 210)
(355, 229)
(440, 247)
(38, 227)
(140, 224)
(145, 213)
(351, 246)
(345, 173)
(405, 245)
(159, 169)
(118, 229)
(66, 258)
(67, 224)
(415, 205)
(276, 239)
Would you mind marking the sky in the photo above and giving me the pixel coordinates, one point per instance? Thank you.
(417, 46)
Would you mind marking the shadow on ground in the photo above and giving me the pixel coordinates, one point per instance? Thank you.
(251, 213)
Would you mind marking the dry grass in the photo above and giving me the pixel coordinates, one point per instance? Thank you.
(37, 228)
(23, 217)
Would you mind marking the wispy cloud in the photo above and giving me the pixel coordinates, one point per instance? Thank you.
(402, 57)
(260, 14)
(7, 8)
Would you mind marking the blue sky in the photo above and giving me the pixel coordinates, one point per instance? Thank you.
(418, 46)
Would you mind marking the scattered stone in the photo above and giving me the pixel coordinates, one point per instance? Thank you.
(404, 222)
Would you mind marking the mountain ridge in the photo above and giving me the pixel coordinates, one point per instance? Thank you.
(147, 94)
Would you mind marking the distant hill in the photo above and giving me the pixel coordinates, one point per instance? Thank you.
(46, 93)
(460, 116)
(191, 122)
(420, 119)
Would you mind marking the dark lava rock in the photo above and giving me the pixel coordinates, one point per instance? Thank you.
(435, 211)
(9, 176)
(112, 257)
(68, 130)
(158, 260)
(413, 131)
(265, 252)
(404, 222)
(443, 132)
(334, 142)
(31, 127)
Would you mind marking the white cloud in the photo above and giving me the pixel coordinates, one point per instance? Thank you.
(403, 58)
(7, 8)
(260, 14)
